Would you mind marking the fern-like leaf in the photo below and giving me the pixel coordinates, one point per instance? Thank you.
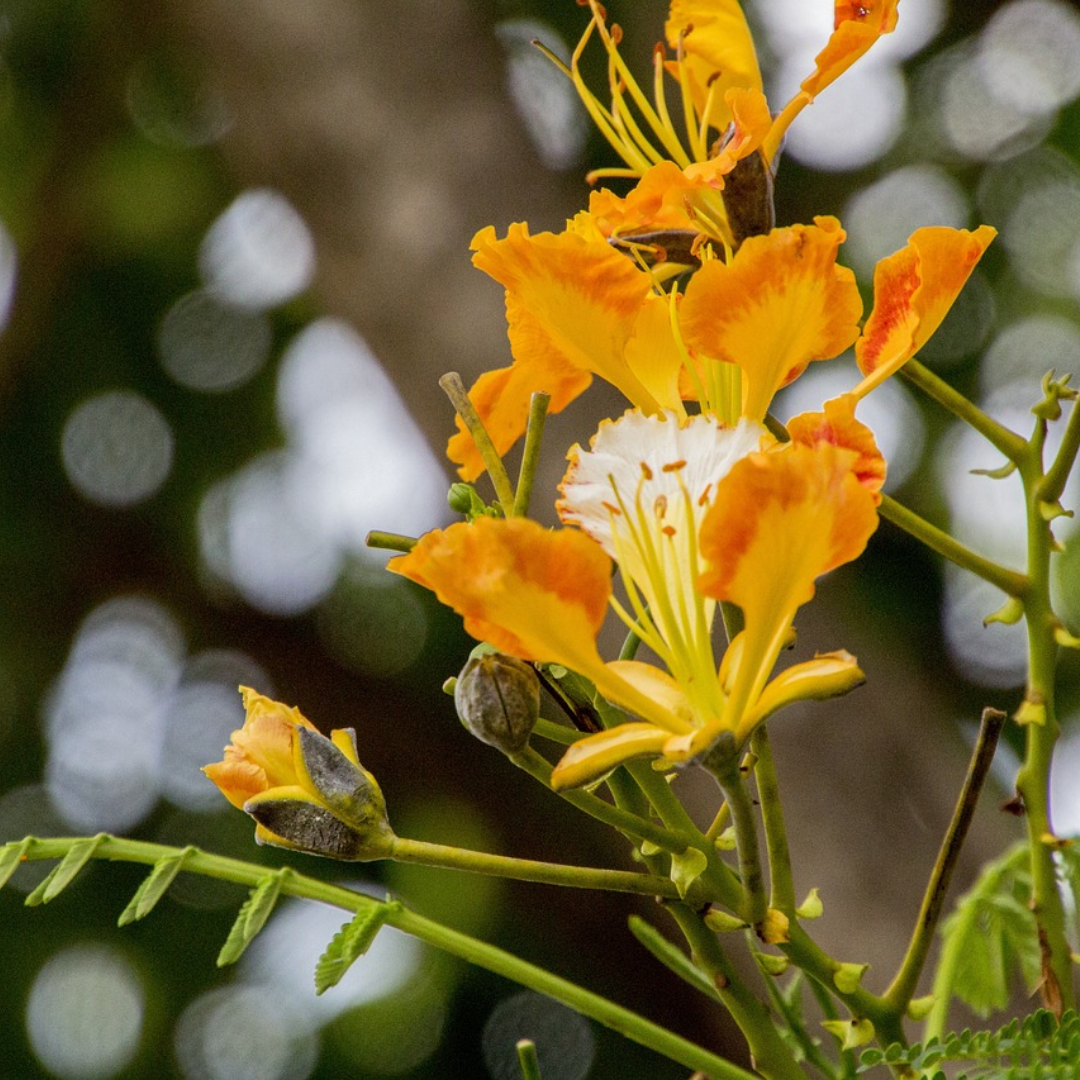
(252, 917)
(62, 875)
(350, 942)
(154, 887)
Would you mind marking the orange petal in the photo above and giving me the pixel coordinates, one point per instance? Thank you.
(535, 594)
(591, 757)
(857, 26)
(780, 520)
(655, 203)
(913, 291)
(779, 304)
(571, 304)
(718, 49)
(837, 426)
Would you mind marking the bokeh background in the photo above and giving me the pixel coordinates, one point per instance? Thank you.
(233, 263)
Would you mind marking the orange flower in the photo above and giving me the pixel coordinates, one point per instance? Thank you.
(305, 791)
(914, 288)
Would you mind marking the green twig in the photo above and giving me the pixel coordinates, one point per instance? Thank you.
(781, 883)
(580, 877)
(483, 955)
(1009, 581)
(455, 390)
(530, 458)
(902, 989)
(1053, 483)
(530, 1065)
(1000, 437)
(389, 541)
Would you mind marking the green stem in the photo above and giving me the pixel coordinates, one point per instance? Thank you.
(579, 877)
(389, 541)
(723, 762)
(641, 829)
(527, 1059)
(1002, 438)
(772, 815)
(1053, 483)
(771, 1056)
(455, 390)
(1039, 715)
(902, 989)
(483, 955)
(530, 458)
(717, 875)
(1009, 581)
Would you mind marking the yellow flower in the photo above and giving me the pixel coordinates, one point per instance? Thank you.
(666, 498)
(305, 791)
(723, 115)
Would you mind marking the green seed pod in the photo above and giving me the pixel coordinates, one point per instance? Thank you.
(498, 700)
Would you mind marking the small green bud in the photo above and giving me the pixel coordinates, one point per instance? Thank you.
(498, 700)
(811, 907)
(720, 922)
(462, 499)
(772, 964)
(919, 1008)
(847, 977)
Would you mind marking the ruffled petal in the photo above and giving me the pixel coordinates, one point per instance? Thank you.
(589, 758)
(781, 303)
(914, 288)
(780, 521)
(837, 426)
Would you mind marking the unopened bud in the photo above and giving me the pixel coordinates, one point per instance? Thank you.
(498, 700)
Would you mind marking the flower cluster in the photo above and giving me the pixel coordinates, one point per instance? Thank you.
(684, 295)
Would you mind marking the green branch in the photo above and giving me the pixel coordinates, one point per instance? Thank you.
(781, 882)
(488, 957)
(530, 458)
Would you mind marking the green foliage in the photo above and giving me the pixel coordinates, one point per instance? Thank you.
(154, 886)
(351, 941)
(991, 934)
(1036, 1048)
(62, 875)
(11, 857)
(252, 917)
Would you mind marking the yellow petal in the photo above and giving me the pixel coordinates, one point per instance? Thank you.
(913, 291)
(826, 676)
(781, 303)
(591, 757)
(779, 521)
(718, 49)
(659, 686)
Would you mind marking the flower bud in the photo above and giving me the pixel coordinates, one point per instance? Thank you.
(498, 700)
(305, 791)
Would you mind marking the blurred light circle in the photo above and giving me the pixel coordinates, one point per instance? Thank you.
(544, 98)
(889, 411)
(242, 1033)
(259, 253)
(993, 655)
(1042, 236)
(210, 346)
(117, 448)
(8, 263)
(1064, 790)
(975, 123)
(28, 811)
(853, 122)
(1028, 55)
(565, 1044)
(171, 109)
(1026, 349)
(278, 559)
(85, 1013)
(882, 216)
(1001, 184)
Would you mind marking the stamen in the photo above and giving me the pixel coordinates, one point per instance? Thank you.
(674, 466)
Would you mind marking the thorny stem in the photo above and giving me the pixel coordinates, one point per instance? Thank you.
(1053, 483)
(455, 390)
(470, 949)
(902, 989)
(781, 882)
